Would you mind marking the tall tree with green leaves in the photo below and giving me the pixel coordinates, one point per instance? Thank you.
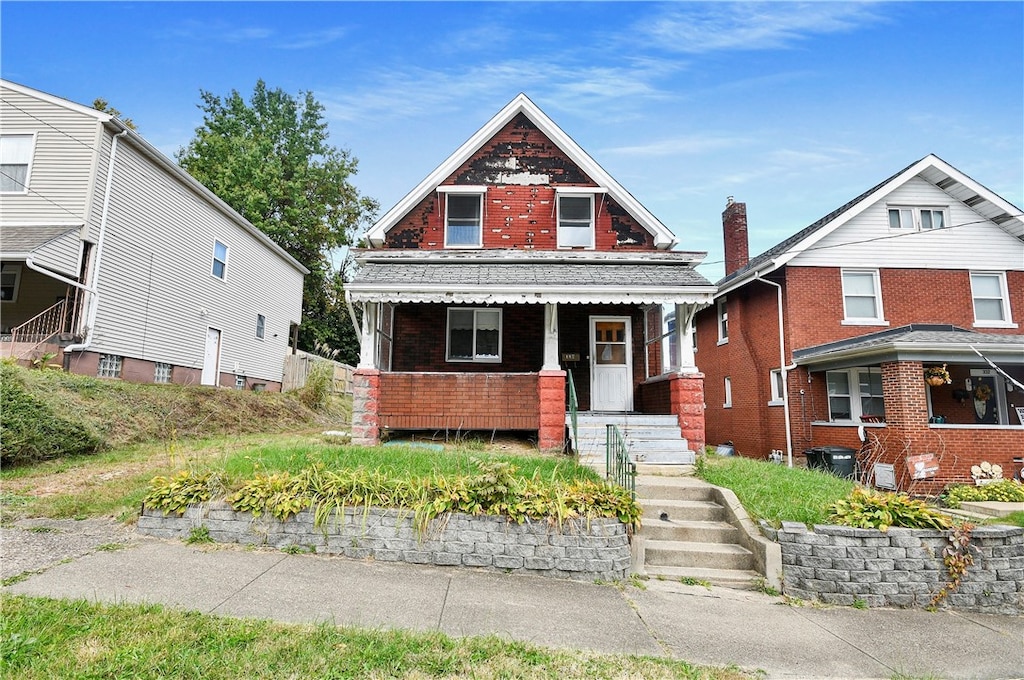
(269, 159)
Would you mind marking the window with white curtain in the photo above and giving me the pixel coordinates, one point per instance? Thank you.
(474, 334)
(15, 162)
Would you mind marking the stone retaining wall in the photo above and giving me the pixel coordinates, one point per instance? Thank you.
(900, 567)
(582, 550)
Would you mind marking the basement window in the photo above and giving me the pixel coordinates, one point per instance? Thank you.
(474, 335)
(162, 373)
(109, 367)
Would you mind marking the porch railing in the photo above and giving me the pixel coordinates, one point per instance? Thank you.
(40, 327)
(618, 467)
(574, 408)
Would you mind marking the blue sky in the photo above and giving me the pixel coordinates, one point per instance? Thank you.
(790, 107)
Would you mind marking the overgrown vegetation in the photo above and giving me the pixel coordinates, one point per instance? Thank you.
(494, 488)
(867, 509)
(776, 493)
(1006, 490)
(87, 640)
(51, 414)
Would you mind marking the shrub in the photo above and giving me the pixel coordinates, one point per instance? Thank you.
(866, 509)
(174, 494)
(1006, 490)
(30, 429)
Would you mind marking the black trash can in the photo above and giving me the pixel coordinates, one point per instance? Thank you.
(839, 460)
(815, 459)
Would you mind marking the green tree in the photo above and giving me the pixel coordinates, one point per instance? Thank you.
(269, 159)
(101, 104)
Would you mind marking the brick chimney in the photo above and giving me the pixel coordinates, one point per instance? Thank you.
(734, 231)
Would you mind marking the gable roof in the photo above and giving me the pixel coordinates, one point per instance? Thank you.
(931, 168)
(663, 237)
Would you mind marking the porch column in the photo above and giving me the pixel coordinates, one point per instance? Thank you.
(687, 403)
(684, 358)
(367, 350)
(551, 396)
(551, 362)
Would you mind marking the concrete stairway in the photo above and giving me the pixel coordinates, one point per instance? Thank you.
(650, 439)
(686, 534)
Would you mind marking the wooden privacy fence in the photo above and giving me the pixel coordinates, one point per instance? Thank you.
(297, 367)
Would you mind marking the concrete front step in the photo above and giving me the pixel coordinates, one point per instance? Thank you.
(650, 487)
(693, 554)
(740, 579)
(682, 510)
(700, 531)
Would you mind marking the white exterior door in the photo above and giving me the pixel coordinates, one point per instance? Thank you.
(611, 369)
(211, 358)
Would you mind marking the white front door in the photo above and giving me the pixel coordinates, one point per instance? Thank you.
(611, 369)
(211, 358)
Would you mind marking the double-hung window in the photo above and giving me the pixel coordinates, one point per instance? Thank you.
(15, 162)
(463, 226)
(778, 387)
(854, 393)
(862, 297)
(474, 334)
(261, 326)
(991, 301)
(727, 386)
(220, 260)
(914, 218)
(575, 220)
(722, 306)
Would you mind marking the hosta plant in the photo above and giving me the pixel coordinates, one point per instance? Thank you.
(866, 509)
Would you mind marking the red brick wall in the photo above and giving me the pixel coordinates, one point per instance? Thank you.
(455, 401)
(519, 215)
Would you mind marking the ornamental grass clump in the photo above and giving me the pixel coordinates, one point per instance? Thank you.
(866, 509)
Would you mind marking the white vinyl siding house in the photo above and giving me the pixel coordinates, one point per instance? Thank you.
(142, 232)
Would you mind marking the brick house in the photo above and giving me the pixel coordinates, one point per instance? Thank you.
(517, 266)
(823, 340)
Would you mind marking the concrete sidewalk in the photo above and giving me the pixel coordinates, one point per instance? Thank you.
(704, 626)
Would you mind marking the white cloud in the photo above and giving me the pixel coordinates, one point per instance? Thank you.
(305, 41)
(680, 146)
(696, 28)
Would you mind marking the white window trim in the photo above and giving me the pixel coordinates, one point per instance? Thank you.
(480, 193)
(226, 260)
(727, 384)
(722, 314)
(775, 380)
(587, 193)
(1004, 300)
(261, 329)
(864, 321)
(16, 268)
(475, 359)
(28, 172)
(916, 217)
(853, 380)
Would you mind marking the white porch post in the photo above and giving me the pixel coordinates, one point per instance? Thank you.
(684, 358)
(551, 338)
(366, 336)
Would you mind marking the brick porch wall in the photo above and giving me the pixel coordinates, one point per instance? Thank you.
(680, 394)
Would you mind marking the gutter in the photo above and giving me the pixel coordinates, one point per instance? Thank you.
(784, 369)
(93, 288)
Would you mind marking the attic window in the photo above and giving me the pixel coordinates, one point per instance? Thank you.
(913, 218)
(576, 221)
(463, 221)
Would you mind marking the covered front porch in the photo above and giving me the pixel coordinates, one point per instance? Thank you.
(920, 404)
(491, 341)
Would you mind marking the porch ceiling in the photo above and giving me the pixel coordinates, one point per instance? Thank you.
(529, 277)
(914, 343)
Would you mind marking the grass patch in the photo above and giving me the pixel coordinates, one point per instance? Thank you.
(86, 640)
(774, 492)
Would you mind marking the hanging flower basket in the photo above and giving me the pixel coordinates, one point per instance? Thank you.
(937, 375)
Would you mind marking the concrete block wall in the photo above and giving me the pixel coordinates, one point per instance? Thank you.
(579, 549)
(900, 567)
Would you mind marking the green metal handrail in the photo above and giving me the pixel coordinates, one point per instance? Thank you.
(618, 467)
(574, 407)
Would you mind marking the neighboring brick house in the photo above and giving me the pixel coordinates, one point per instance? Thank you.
(516, 261)
(121, 265)
(917, 272)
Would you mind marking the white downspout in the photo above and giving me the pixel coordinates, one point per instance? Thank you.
(783, 369)
(93, 288)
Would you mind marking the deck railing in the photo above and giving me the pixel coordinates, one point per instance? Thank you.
(40, 327)
(618, 467)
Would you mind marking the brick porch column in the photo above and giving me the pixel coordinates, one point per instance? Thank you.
(366, 407)
(551, 390)
(687, 402)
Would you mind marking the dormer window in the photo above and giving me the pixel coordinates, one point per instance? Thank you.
(576, 220)
(463, 216)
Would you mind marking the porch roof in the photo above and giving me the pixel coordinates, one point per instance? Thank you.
(528, 277)
(20, 240)
(915, 342)
(57, 248)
